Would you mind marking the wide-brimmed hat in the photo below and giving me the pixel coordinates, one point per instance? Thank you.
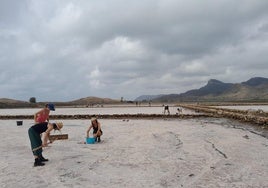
(51, 107)
(59, 125)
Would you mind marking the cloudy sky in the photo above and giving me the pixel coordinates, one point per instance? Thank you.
(61, 50)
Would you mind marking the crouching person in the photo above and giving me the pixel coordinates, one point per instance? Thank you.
(36, 142)
(97, 132)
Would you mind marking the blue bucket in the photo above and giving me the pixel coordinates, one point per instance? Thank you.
(90, 140)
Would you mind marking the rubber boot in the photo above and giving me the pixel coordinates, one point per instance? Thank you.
(42, 159)
(99, 139)
(38, 162)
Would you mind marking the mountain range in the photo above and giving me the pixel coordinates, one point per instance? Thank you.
(255, 89)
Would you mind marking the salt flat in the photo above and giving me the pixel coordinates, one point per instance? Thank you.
(138, 153)
(98, 110)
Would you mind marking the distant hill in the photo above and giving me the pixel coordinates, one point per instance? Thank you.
(12, 103)
(88, 101)
(257, 81)
(255, 89)
(93, 101)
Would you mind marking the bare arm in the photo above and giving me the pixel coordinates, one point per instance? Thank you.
(88, 130)
(46, 134)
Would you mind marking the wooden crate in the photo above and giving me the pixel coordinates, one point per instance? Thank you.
(58, 137)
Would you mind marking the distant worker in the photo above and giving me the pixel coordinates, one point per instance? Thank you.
(166, 109)
(43, 115)
(179, 110)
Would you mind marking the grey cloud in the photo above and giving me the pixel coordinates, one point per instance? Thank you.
(62, 50)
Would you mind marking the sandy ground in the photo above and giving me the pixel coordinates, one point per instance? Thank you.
(138, 153)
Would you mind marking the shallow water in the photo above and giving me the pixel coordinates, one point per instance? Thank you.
(247, 107)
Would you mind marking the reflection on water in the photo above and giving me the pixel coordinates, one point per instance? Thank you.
(247, 107)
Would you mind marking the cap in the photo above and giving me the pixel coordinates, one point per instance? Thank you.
(51, 106)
